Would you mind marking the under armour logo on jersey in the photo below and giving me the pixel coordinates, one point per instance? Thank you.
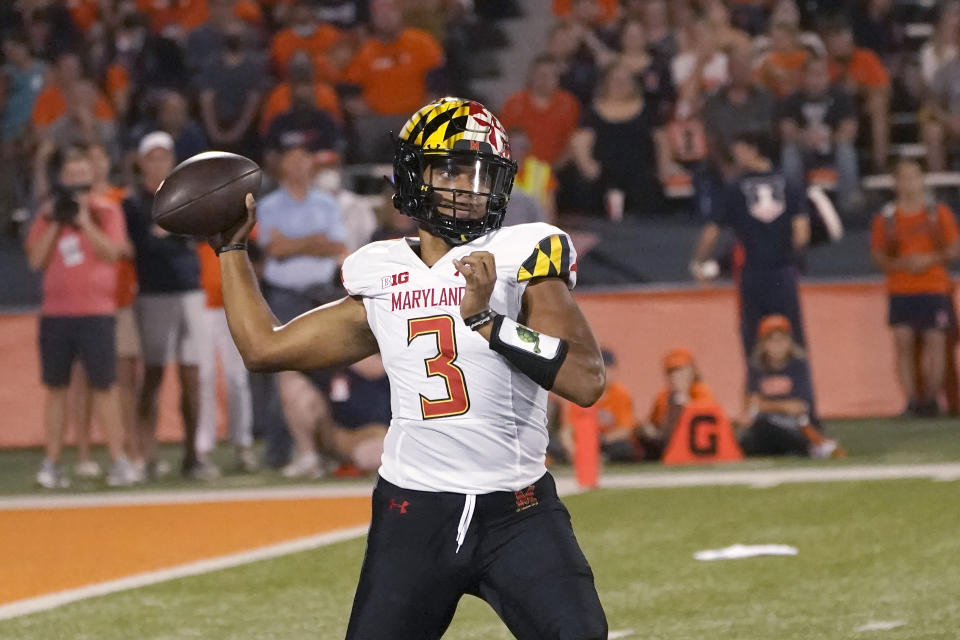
(399, 506)
(391, 281)
(765, 198)
(525, 498)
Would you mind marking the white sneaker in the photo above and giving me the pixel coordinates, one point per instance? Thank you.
(122, 473)
(138, 471)
(51, 476)
(303, 466)
(87, 469)
(823, 450)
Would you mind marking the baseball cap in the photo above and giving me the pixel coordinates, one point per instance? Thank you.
(775, 322)
(676, 358)
(154, 140)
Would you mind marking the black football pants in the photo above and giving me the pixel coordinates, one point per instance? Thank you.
(516, 550)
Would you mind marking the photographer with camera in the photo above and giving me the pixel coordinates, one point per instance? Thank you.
(75, 240)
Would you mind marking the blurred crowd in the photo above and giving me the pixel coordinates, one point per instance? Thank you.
(667, 86)
(632, 103)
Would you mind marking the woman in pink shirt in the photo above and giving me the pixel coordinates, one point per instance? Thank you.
(75, 240)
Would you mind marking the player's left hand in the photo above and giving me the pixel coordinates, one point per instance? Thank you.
(480, 272)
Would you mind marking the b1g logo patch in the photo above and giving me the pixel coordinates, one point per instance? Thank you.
(525, 498)
(393, 280)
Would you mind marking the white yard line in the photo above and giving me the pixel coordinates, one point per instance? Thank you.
(763, 478)
(714, 476)
(136, 498)
(53, 600)
(566, 485)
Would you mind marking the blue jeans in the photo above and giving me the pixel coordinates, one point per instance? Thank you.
(795, 160)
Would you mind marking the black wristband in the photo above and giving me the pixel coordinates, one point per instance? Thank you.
(538, 368)
(236, 246)
(477, 320)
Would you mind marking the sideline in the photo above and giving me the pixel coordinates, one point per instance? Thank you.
(757, 478)
(566, 485)
(761, 478)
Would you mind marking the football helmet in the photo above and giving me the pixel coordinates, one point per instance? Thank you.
(452, 170)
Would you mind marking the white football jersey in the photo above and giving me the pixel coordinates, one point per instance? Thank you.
(464, 419)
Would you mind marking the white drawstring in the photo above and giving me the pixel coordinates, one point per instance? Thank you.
(469, 502)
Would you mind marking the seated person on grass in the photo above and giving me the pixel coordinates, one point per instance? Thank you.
(780, 416)
(359, 398)
(683, 385)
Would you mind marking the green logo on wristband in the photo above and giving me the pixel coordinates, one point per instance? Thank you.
(529, 335)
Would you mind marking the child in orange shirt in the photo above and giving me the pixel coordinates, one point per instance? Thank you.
(912, 241)
(683, 384)
(614, 416)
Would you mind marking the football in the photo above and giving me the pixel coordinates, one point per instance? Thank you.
(204, 194)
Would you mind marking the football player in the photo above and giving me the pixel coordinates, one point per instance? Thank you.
(475, 324)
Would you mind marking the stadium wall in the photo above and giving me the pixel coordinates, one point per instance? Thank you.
(851, 351)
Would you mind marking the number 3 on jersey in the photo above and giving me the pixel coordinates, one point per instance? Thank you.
(457, 401)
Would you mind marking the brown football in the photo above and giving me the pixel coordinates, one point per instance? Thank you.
(204, 195)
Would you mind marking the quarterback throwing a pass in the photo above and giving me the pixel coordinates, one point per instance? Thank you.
(474, 324)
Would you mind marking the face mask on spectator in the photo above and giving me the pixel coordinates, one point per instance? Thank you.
(233, 43)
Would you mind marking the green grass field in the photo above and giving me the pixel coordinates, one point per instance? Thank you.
(868, 552)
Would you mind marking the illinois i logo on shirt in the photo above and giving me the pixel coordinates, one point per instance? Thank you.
(766, 199)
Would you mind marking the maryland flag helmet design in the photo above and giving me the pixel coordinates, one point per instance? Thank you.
(452, 169)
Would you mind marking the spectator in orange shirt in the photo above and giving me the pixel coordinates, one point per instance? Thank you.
(913, 240)
(781, 69)
(863, 74)
(683, 385)
(280, 98)
(303, 118)
(85, 13)
(613, 412)
(600, 11)
(176, 18)
(548, 114)
(305, 33)
(51, 103)
(391, 69)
